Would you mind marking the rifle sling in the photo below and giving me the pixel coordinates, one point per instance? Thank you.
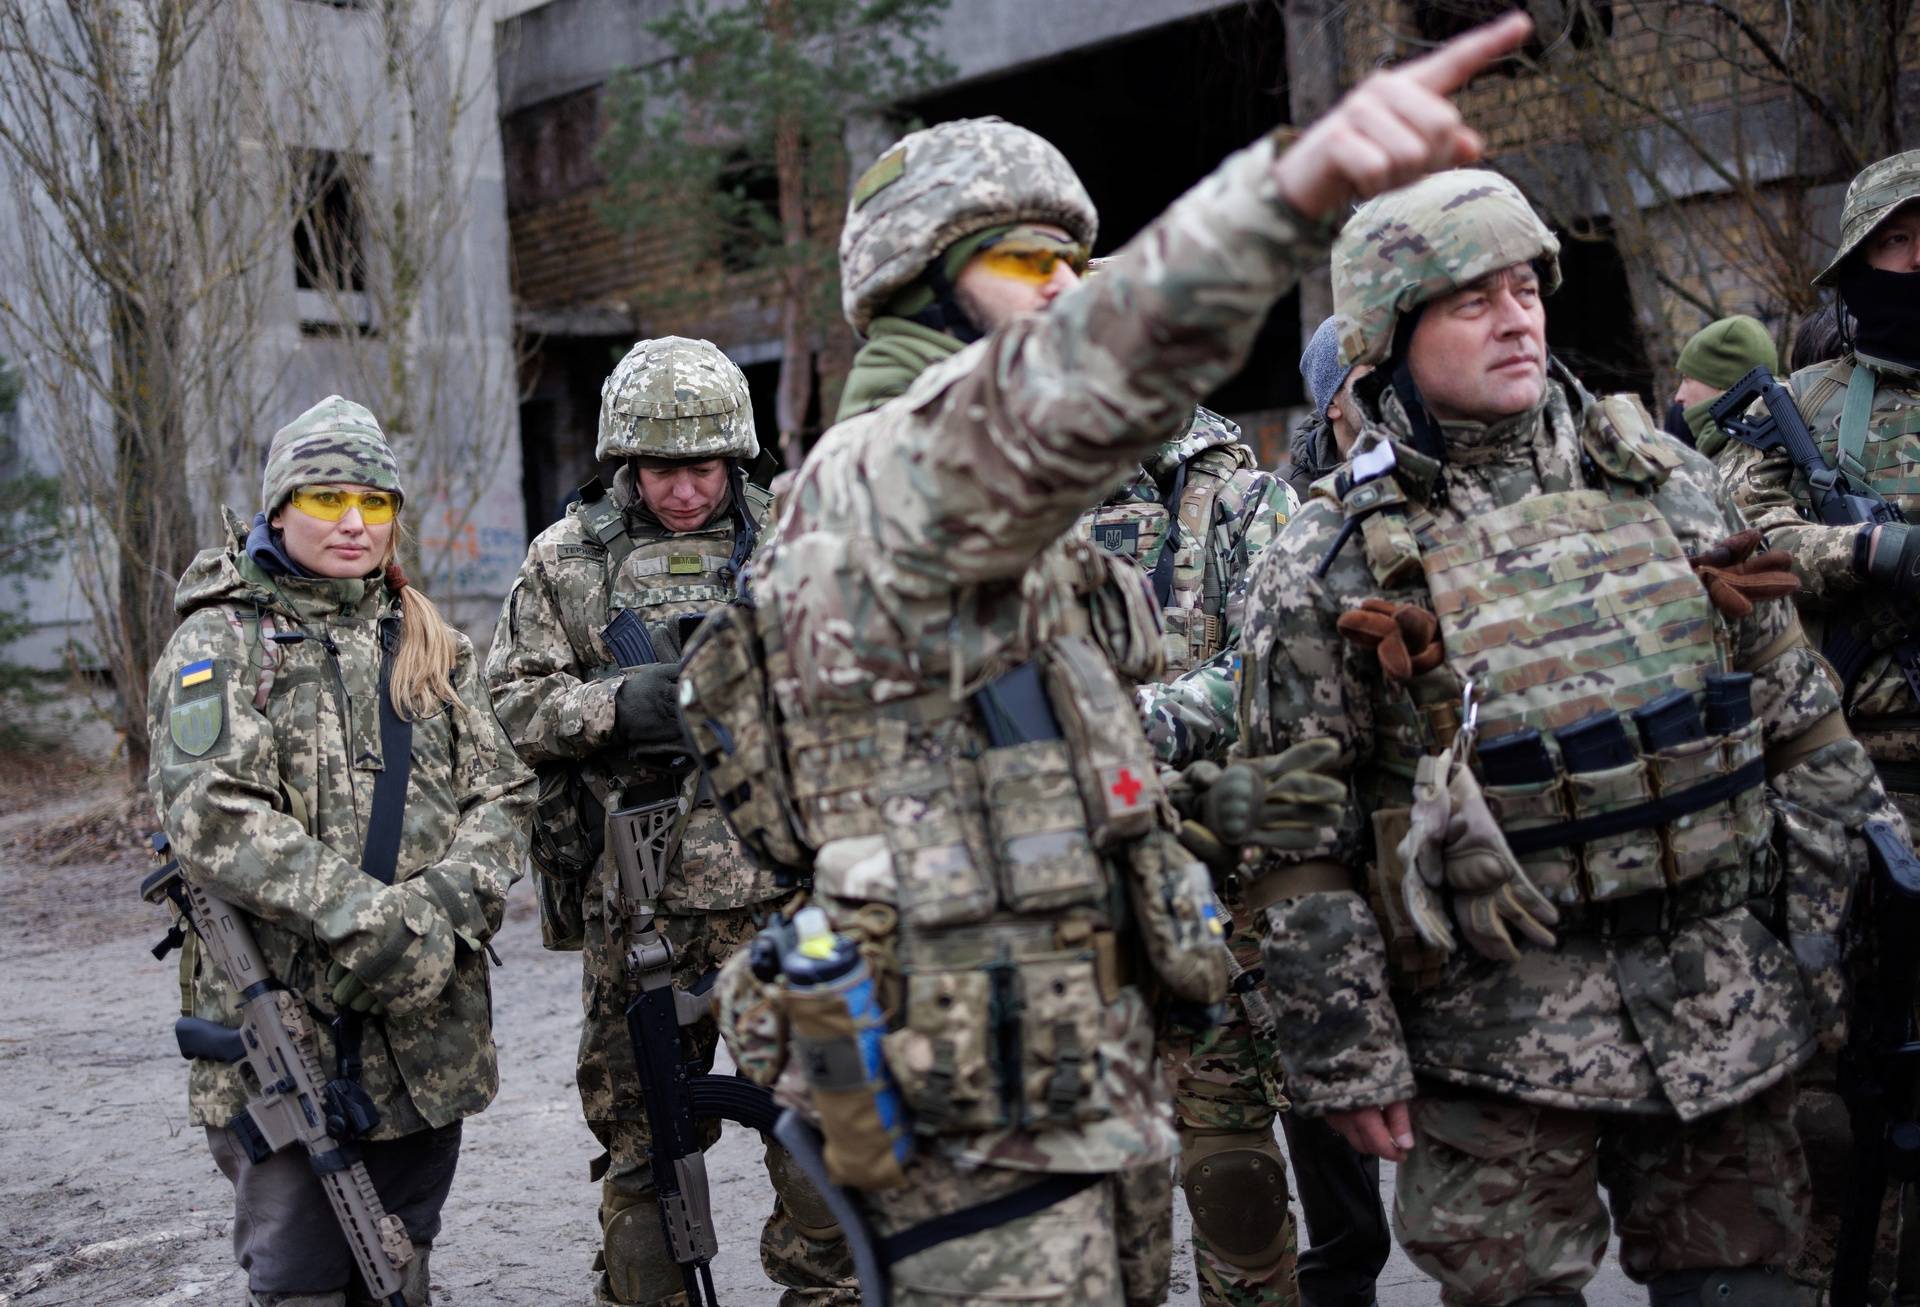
(1784, 755)
(381, 855)
(984, 1216)
(1855, 414)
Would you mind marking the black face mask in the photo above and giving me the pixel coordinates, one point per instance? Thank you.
(1675, 423)
(1886, 311)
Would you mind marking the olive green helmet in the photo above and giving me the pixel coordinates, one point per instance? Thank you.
(676, 398)
(1406, 247)
(940, 184)
(1871, 197)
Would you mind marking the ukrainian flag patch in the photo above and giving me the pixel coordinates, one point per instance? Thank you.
(196, 673)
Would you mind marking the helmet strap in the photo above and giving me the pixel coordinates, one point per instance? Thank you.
(1423, 428)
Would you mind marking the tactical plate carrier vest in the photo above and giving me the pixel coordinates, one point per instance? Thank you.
(1013, 840)
(1577, 606)
(1192, 595)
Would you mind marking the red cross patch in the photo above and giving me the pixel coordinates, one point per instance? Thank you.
(1127, 788)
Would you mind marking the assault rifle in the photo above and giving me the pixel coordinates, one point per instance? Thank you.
(1837, 499)
(1879, 1070)
(296, 1103)
(644, 835)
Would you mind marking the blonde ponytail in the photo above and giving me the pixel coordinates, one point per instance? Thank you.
(423, 665)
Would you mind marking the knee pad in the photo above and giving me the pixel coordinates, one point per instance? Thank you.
(633, 1252)
(806, 1210)
(1721, 1286)
(1237, 1195)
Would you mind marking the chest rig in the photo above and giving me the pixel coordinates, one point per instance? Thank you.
(1005, 837)
(669, 581)
(1596, 661)
(1170, 538)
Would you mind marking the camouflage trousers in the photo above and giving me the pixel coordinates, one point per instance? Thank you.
(1107, 1245)
(800, 1247)
(1500, 1199)
(1226, 1097)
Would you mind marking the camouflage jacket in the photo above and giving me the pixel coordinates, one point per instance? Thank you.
(553, 684)
(1191, 714)
(1688, 1021)
(1773, 495)
(267, 809)
(916, 551)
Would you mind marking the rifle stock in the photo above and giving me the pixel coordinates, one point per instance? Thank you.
(277, 1038)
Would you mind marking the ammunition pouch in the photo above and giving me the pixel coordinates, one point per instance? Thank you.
(567, 842)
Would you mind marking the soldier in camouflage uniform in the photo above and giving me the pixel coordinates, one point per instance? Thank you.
(1860, 586)
(1192, 520)
(1579, 977)
(264, 712)
(666, 542)
(924, 563)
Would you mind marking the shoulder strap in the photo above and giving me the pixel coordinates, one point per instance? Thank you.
(1830, 381)
(381, 855)
(1163, 567)
(1854, 418)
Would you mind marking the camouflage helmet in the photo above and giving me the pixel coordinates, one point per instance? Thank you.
(1871, 198)
(1426, 240)
(940, 184)
(676, 398)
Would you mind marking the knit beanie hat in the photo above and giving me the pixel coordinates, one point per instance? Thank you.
(1321, 366)
(336, 442)
(1723, 352)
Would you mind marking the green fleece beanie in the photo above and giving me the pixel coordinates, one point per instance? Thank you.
(1723, 352)
(336, 442)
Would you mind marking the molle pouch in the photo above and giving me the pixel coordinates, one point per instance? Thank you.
(942, 881)
(1415, 965)
(839, 762)
(1119, 779)
(943, 1058)
(862, 1147)
(1181, 921)
(1617, 865)
(1039, 828)
(1703, 842)
(1523, 807)
(562, 846)
(727, 713)
(1061, 1019)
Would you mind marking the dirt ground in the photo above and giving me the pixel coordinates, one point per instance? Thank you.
(109, 1197)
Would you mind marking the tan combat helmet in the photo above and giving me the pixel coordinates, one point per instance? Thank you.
(1871, 197)
(676, 398)
(938, 185)
(1426, 240)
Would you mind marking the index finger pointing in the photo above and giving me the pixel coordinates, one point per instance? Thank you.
(1454, 64)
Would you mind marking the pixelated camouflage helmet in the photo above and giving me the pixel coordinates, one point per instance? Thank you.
(1426, 240)
(940, 184)
(1871, 198)
(676, 398)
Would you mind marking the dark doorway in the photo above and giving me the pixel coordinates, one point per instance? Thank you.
(560, 419)
(1590, 322)
(1144, 118)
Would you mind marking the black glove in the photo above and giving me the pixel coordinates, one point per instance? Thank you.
(1893, 560)
(646, 709)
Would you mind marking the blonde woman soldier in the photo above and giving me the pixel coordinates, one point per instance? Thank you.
(266, 715)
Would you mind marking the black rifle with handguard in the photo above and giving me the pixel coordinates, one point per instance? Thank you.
(1836, 499)
(643, 837)
(1879, 1070)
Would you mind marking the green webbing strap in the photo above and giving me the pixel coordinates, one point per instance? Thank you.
(1853, 421)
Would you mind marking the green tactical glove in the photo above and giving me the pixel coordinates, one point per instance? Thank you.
(350, 995)
(449, 887)
(1276, 801)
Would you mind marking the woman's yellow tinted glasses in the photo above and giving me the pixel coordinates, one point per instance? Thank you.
(377, 507)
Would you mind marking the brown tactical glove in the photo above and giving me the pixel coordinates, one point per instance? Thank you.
(1736, 576)
(1405, 637)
